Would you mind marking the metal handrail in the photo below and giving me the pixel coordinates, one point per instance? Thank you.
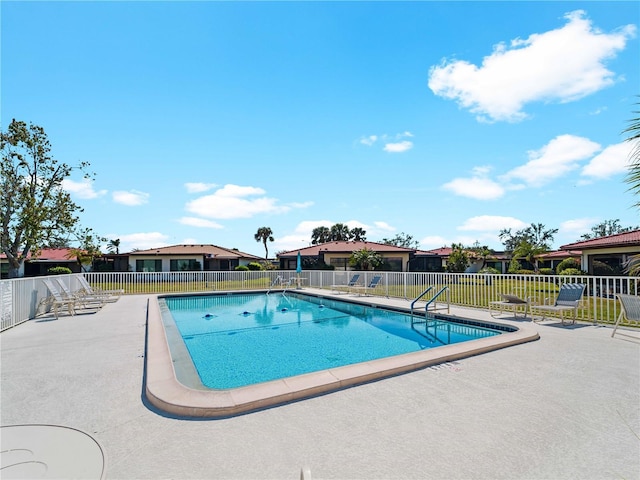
(431, 300)
(426, 308)
(419, 297)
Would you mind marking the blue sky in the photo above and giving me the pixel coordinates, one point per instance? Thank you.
(447, 121)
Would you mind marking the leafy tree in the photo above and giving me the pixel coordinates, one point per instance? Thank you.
(529, 242)
(264, 234)
(34, 208)
(458, 260)
(88, 250)
(365, 259)
(114, 246)
(320, 235)
(606, 228)
(401, 240)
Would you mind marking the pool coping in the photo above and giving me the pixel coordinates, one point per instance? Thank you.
(165, 392)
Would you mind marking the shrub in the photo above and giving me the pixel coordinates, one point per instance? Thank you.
(254, 266)
(567, 263)
(571, 271)
(59, 271)
(524, 271)
(514, 266)
(546, 271)
(491, 270)
(242, 268)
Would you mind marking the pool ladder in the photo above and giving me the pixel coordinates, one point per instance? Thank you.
(432, 300)
(280, 281)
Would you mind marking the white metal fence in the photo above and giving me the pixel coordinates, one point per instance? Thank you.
(21, 297)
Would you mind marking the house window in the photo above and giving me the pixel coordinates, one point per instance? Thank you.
(339, 263)
(148, 265)
(184, 265)
(393, 264)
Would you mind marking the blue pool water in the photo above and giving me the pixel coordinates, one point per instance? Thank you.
(243, 339)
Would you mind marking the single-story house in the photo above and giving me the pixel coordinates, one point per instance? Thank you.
(179, 258)
(47, 258)
(607, 255)
(336, 255)
(553, 259)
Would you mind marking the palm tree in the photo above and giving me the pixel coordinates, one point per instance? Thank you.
(263, 235)
(365, 259)
(358, 234)
(320, 235)
(340, 232)
(530, 252)
(114, 246)
(633, 176)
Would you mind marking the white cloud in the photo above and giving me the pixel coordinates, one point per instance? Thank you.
(83, 189)
(433, 241)
(560, 65)
(131, 198)
(555, 159)
(485, 223)
(234, 201)
(398, 147)
(392, 145)
(306, 227)
(142, 241)
(370, 140)
(199, 222)
(478, 187)
(199, 187)
(384, 226)
(578, 225)
(612, 160)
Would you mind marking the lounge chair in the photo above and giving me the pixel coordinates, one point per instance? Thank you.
(630, 309)
(371, 286)
(54, 301)
(83, 299)
(111, 295)
(568, 299)
(511, 303)
(351, 283)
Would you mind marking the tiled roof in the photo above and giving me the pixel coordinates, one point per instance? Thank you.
(213, 250)
(344, 247)
(442, 251)
(560, 254)
(618, 240)
(49, 255)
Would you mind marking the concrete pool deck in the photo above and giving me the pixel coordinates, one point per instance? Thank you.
(565, 406)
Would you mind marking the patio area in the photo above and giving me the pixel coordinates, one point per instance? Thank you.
(565, 406)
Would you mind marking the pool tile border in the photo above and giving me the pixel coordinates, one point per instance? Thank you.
(165, 392)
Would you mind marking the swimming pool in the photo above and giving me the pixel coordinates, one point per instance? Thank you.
(173, 383)
(245, 339)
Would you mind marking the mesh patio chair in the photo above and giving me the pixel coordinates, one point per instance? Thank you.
(351, 283)
(630, 310)
(568, 300)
